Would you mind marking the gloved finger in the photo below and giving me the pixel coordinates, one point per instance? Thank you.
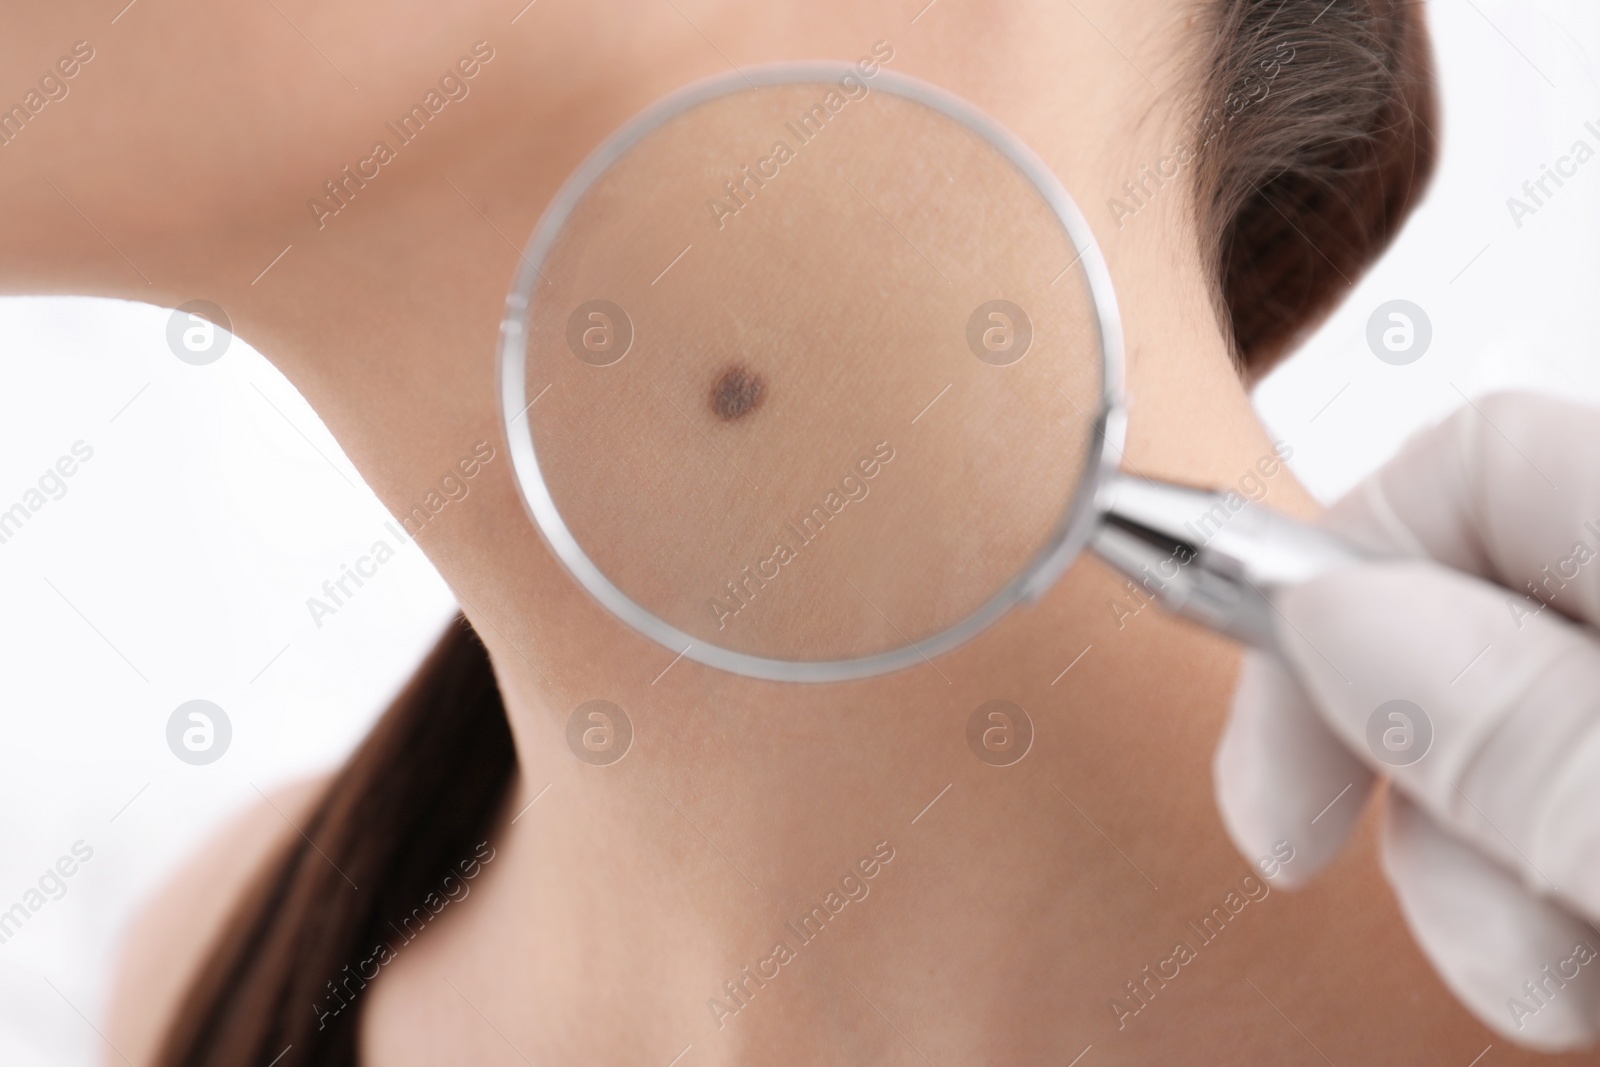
(1289, 790)
(1525, 967)
(1503, 489)
(1493, 728)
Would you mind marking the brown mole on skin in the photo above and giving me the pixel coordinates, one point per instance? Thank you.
(737, 392)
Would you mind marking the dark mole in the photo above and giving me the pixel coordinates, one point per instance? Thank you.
(737, 392)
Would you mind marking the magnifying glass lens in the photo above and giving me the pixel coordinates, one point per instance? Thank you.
(812, 371)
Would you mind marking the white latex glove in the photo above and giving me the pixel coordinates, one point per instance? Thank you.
(1491, 839)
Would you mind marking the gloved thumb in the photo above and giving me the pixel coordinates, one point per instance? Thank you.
(1480, 713)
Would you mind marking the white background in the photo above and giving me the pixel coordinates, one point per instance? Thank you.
(178, 563)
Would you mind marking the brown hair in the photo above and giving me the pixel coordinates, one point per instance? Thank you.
(1320, 121)
(1297, 193)
(403, 815)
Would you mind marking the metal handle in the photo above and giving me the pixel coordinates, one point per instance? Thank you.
(1209, 556)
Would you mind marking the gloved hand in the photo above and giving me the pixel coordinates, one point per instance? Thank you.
(1481, 620)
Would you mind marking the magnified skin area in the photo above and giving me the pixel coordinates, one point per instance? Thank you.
(862, 518)
(1020, 900)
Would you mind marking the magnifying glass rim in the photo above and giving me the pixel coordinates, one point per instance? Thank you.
(1078, 519)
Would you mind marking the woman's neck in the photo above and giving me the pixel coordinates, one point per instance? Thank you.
(637, 906)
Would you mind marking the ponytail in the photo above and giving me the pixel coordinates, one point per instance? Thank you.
(409, 810)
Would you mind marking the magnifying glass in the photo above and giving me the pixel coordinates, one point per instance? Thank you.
(811, 375)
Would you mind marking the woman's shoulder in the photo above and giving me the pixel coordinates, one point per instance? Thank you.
(169, 937)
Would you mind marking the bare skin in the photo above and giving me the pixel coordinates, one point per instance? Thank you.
(1015, 908)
